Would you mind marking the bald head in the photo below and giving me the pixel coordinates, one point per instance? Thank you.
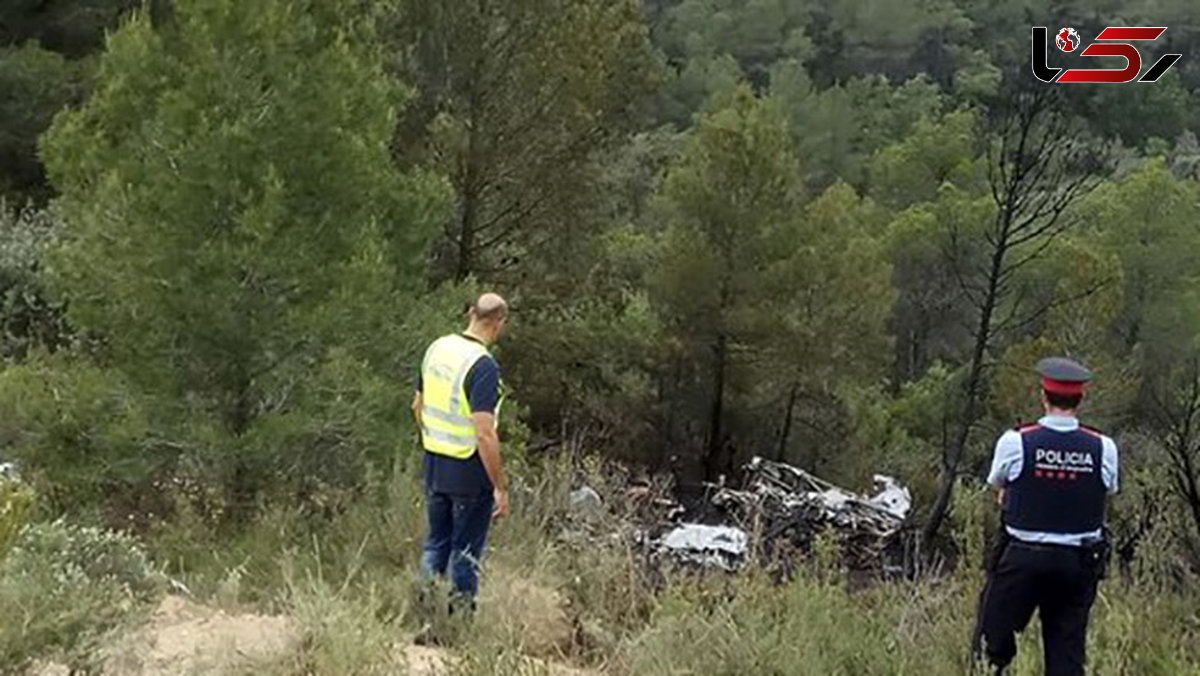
(489, 307)
(488, 314)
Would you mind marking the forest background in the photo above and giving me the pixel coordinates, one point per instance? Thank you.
(836, 234)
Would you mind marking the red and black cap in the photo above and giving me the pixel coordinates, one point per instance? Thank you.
(1063, 376)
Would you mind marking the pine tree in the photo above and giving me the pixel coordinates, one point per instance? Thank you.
(233, 212)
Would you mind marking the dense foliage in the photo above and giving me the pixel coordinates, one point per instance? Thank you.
(833, 233)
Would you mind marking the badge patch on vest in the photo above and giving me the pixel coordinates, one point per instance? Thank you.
(1064, 465)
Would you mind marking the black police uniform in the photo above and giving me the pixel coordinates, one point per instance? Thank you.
(1060, 490)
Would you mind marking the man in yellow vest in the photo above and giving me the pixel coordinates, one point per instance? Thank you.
(456, 405)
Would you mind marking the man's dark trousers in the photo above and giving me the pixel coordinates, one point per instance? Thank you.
(458, 527)
(1060, 582)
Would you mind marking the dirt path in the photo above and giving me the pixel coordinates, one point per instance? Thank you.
(184, 638)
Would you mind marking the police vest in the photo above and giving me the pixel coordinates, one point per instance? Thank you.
(1061, 486)
(446, 425)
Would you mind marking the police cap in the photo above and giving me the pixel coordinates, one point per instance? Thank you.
(1063, 376)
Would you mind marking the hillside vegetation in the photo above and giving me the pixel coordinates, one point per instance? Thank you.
(834, 234)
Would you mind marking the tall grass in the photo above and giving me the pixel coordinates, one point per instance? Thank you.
(548, 601)
(559, 593)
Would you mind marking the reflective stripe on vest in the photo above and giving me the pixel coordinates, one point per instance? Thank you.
(446, 425)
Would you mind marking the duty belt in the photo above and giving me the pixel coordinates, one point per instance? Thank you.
(1047, 546)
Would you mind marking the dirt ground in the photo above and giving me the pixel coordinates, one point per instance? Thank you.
(184, 638)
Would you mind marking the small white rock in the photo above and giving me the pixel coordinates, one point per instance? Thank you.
(586, 502)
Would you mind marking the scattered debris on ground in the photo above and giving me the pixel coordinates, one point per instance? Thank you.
(715, 546)
(778, 510)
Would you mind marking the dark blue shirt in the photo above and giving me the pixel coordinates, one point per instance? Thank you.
(444, 474)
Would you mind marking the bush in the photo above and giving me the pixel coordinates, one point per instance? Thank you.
(16, 504)
(76, 429)
(29, 317)
(63, 587)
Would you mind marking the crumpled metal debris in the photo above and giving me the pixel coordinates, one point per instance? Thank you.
(716, 546)
(891, 496)
(785, 508)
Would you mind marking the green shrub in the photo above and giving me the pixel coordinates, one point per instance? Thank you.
(379, 531)
(100, 556)
(29, 316)
(16, 504)
(63, 587)
(77, 430)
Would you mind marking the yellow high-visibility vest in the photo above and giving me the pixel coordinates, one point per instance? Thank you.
(446, 425)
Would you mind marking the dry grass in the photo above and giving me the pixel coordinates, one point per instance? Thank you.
(549, 607)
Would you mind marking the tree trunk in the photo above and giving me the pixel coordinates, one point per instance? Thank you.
(242, 487)
(789, 412)
(470, 192)
(466, 235)
(713, 462)
(1179, 439)
(1184, 449)
(983, 337)
(1192, 495)
(1034, 179)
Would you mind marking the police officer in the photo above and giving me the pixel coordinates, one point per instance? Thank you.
(1053, 478)
(457, 402)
